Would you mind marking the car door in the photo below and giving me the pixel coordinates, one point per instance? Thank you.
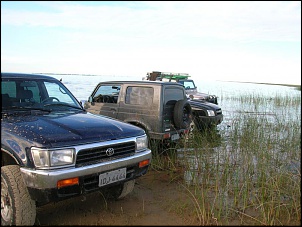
(105, 100)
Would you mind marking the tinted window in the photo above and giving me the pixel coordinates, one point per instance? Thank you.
(173, 94)
(8, 87)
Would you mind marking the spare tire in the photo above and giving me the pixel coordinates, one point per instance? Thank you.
(182, 114)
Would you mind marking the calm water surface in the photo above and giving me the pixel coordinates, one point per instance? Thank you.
(239, 155)
(82, 86)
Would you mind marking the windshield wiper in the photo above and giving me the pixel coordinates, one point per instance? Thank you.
(63, 104)
(22, 110)
(25, 108)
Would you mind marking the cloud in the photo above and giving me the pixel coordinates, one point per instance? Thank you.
(218, 39)
(272, 20)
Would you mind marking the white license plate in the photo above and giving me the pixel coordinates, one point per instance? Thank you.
(112, 176)
(175, 137)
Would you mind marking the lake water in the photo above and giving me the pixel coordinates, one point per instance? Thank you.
(83, 85)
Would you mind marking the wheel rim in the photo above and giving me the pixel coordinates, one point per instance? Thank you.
(6, 202)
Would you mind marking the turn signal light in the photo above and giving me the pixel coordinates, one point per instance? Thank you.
(67, 182)
(167, 136)
(143, 163)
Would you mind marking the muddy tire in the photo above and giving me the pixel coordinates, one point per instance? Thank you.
(182, 114)
(17, 208)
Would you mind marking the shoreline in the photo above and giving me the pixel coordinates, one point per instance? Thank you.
(288, 85)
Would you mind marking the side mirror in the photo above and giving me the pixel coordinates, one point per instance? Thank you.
(85, 104)
(82, 102)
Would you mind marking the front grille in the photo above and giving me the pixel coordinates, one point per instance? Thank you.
(98, 154)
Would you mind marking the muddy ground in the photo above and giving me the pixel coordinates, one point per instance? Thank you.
(155, 200)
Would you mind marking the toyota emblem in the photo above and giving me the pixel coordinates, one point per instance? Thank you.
(109, 151)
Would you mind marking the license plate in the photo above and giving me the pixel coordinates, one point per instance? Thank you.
(175, 137)
(112, 176)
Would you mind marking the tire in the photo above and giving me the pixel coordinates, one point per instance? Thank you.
(17, 208)
(182, 114)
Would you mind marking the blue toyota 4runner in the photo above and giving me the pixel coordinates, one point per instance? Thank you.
(52, 149)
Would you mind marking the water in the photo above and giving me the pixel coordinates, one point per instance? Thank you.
(83, 85)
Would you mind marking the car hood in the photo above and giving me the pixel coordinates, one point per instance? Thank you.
(197, 95)
(61, 129)
(203, 104)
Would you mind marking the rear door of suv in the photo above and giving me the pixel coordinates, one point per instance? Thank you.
(171, 94)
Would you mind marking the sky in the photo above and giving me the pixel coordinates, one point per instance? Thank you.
(247, 41)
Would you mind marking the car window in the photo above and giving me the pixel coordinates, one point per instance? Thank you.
(34, 93)
(107, 94)
(188, 84)
(172, 95)
(139, 95)
(9, 88)
(19, 91)
(54, 90)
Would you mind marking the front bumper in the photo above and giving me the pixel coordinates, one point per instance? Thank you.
(42, 184)
(206, 121)
(169, 136)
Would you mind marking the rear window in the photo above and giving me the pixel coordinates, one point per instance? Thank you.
(172, 95)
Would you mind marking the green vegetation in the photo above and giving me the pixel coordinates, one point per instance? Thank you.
(248, 173)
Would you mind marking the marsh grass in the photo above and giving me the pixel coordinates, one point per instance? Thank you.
(248, 173)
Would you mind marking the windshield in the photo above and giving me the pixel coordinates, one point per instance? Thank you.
(188, 84)
(26, 93)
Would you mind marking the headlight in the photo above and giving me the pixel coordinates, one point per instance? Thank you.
(211, 112)
(45, 159)
(141, 143)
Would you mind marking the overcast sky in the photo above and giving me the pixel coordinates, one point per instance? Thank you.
(250, 41)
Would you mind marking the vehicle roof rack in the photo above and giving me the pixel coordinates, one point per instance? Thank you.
(168, 75)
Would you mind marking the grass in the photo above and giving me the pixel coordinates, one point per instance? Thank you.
(248, 173)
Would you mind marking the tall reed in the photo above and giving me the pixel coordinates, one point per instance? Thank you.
(250, 171)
